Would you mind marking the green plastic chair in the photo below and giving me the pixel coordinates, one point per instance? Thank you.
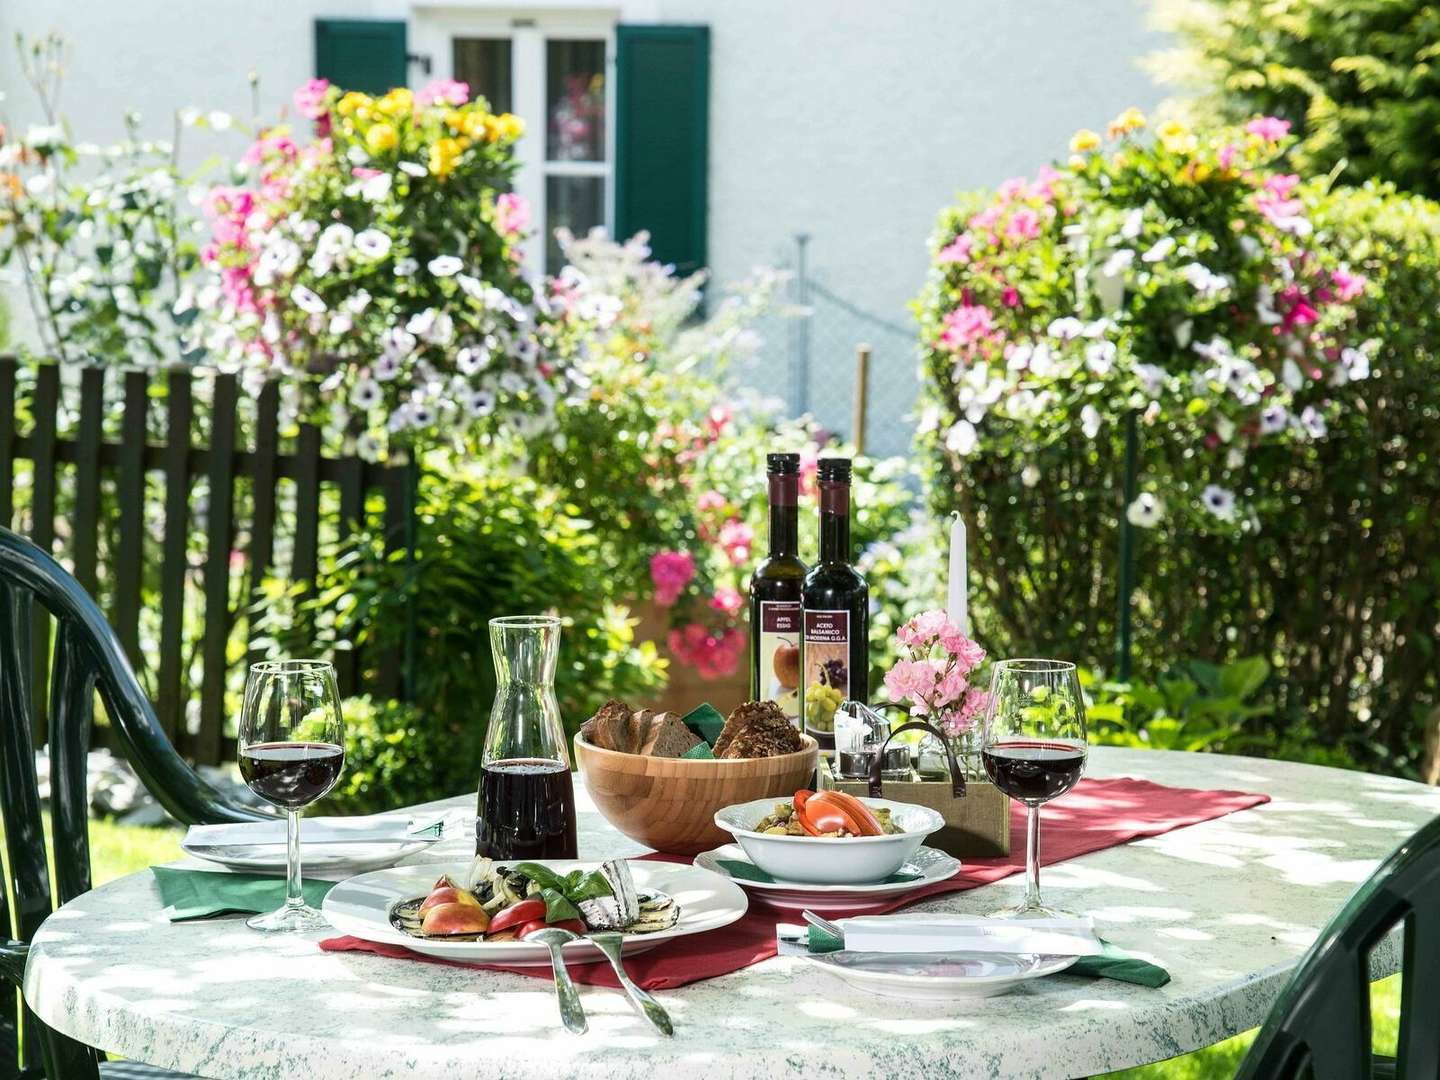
(87, 658)
(1320, 1026)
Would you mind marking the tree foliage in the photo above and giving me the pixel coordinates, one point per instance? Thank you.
(1357, 78)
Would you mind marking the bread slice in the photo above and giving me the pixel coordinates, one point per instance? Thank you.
(610, 728)
(668, 737)
(757, 729)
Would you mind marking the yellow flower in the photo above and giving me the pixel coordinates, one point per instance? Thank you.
(456, 120)
(1132, 119)
(1083, 140)
(352, 102)
(1175, 137)
(473, 123)
(508, 127)
(380, 138)
(397, 102)
(444, 155)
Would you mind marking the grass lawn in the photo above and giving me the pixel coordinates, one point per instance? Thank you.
(116, 850)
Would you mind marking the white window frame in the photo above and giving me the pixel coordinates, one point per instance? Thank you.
(434, 29)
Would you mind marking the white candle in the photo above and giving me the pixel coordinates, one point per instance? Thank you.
(958, 606)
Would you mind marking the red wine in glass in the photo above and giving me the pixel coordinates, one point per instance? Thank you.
(1031, 770)
(291, 774)
(526, 811)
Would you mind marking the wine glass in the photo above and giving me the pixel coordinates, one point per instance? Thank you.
(1034, 750)
(292, 748)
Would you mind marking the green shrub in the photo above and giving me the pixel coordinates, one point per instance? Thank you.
(1308, 542)
(1200, 706)
(1357, 77)
(398, 755)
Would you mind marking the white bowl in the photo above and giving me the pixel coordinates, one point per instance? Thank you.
(830, 860)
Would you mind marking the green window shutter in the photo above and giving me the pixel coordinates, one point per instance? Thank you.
(662, 122)
(361, 54)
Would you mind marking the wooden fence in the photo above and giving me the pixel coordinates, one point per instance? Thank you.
(130, 525)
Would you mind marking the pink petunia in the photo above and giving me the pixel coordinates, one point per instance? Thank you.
(967, 325)
(309, 98)
(1014, 188)
(727, 600)
(512, 213)
(1348, 286)
(736, 538)
(1010, 297)
(671, 571)
(443, 91)
(957, 251)
(1024, 225)
(1269, 128)
(710, 500)
(1044, 186)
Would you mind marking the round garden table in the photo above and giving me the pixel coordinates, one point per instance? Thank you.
(1227, 906)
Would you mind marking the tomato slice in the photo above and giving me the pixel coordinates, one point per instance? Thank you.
(801, 798)
(529, 928)
(824, 816)
(868, 822)
(517, 915)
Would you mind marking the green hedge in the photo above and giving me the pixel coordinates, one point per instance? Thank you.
(1328, 564)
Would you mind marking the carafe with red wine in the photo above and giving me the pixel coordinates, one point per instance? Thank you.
(526, 807)
(1034, 749)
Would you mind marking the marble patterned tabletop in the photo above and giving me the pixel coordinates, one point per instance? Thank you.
(1227, 906)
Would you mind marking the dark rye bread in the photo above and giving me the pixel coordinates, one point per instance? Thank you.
(610, 728)
(668, 737)
(757, 729)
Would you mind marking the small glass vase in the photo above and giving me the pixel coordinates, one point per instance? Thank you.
(933, 765)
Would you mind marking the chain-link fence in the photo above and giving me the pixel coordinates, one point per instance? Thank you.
(809, 360)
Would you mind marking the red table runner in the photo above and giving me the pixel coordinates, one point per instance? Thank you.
(1098, 814)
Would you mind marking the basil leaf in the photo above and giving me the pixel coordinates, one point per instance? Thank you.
(587, 885)
(541, 875)
(557, 907)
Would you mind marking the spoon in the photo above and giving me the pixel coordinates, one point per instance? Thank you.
(652, 1010)
(572, 1014)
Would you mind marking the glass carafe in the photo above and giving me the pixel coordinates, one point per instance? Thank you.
(526, 807)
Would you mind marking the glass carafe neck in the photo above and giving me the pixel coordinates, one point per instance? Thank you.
(525, 722)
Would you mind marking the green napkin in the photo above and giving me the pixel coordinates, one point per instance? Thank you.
(1113, 963)
(704, 720)
(199, 894)
(700, 751)
(748, 871)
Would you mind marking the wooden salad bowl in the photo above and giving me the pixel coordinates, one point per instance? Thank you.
(669, 804)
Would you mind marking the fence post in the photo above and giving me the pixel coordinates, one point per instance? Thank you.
(1127, 549)
(862, 393)
(800, 335)
(412, 490)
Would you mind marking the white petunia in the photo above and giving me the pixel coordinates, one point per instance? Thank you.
(472, 286)
(387, 367)
(376, 188)
(1152, 378)
(420, 322)
(1042, 361)
(1204, 280)
(962, 438)
(1133, 223)
(1291, 375)
(336, 238)
(1118, 262)
(411, 168)
(398, 342)
(1100, 357)
(368, 447)
(366, 395)
(357, 301)
(445, 266)
(480, 402)
(1158, 250)
(1183, 332)
(471, 359)
(406, 267)
(1146, 511)
(372, 244)
(307, 300)
(1354, 364)
(422, 414)
(1090, 421)
(1219, 502)
(341, 323)
(513, 383)
(1312, 423)
(1224, 429)
(1234, 458)
(1017, 357)
(1273, 419)
(1066, 328)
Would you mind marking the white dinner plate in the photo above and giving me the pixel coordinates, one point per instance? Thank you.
(360, 906)
(938, 976)
(332, 859)
(932, 865)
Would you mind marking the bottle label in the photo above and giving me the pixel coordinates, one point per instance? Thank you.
(780, 655)
(827, 666)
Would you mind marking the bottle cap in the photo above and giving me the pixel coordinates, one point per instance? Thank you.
(782, 464)
(835, 469)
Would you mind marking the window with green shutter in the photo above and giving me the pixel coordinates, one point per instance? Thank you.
(361, 54)
(662, 104)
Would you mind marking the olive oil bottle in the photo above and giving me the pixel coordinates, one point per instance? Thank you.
(775, 600)
(836, 600)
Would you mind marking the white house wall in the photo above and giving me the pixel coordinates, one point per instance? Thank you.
(852, 121)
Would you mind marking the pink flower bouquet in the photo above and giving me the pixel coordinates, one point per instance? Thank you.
(935, 672)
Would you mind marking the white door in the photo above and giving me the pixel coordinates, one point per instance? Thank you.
(554, 71)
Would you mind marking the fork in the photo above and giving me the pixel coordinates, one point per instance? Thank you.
(652, 1010)
(572, 1013)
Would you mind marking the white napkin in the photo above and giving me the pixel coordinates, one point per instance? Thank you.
(377, 829)
(938, 933)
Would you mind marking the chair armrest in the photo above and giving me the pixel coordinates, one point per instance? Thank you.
(12, 961)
